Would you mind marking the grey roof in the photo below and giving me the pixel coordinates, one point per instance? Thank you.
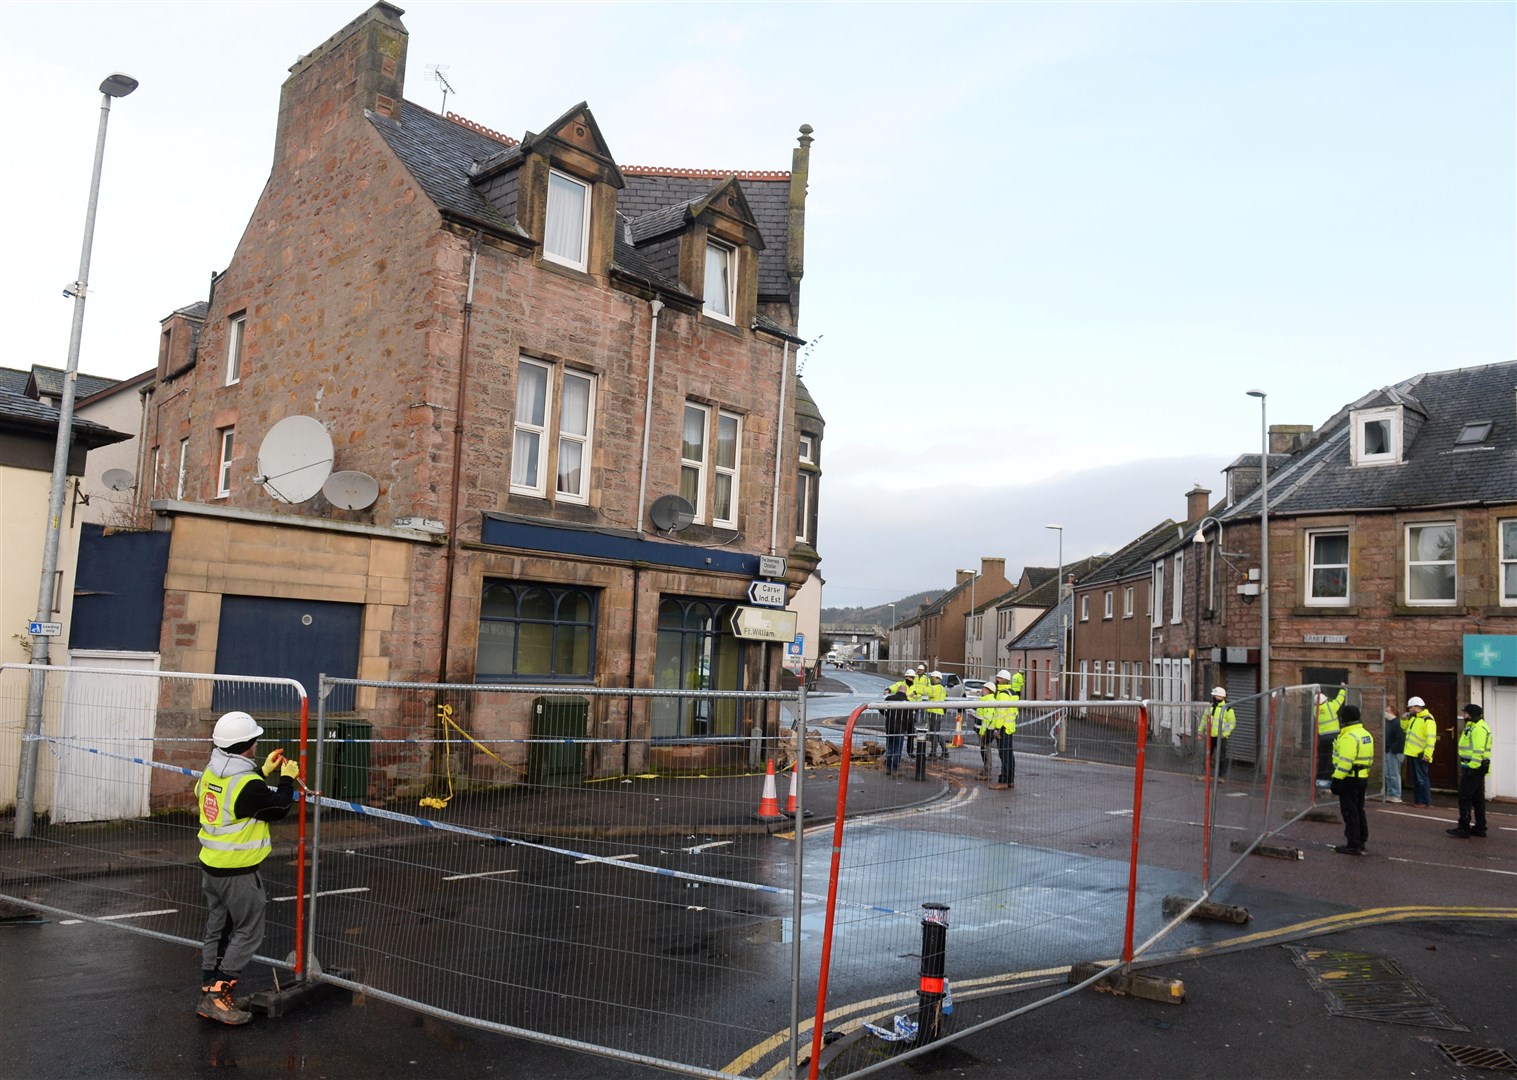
(1433, 471)
(49, 382)
(1046, 629)
(13, 380)
(17, 411)
(442, 155)
(1134, 559)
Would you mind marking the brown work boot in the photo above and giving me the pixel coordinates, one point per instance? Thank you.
(216, 1003)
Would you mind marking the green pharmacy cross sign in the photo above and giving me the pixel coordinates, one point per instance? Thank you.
(1490, 654)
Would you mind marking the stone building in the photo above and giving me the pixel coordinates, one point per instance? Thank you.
(471, 408)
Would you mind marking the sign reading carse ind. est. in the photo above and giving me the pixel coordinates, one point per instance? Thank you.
(767, 593)
(764, 624)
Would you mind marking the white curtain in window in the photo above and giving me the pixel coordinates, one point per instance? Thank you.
(564, 232)
(718, 280)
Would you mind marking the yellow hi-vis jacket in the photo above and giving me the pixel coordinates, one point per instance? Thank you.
(1421, 733)
(1222, 713)
(1327, 713)
(1475, 744)
(919, 688)
(999, 719)
(936, 692)
(1353, 753)
(228, 842)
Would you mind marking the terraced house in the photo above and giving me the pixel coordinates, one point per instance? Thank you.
(466, 407)
(1392, 559)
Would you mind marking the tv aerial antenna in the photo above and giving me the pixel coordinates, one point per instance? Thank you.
(438, 73)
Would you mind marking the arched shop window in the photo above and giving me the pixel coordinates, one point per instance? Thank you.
(530, 632)
(696, 651)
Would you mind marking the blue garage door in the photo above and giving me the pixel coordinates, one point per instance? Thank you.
(289, 639)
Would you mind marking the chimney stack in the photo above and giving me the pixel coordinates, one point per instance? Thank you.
(1197, 502)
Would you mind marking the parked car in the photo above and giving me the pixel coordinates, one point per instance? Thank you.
(972, 688)
(953, 684)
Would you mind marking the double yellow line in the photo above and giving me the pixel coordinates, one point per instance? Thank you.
(1011, 982)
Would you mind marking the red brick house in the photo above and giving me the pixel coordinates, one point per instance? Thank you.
(570, 382)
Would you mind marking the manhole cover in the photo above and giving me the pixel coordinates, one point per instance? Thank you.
(1480, 1057)
(1371, 988)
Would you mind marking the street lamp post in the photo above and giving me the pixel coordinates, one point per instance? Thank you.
(1263, 542)
(1063, 615)
(114, 86)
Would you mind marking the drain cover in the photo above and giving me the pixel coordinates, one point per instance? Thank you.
(1480, 1057)
(1371, 988)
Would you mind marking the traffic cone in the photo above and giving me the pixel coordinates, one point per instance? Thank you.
(794, 779)
(958, 733)
(769, 804)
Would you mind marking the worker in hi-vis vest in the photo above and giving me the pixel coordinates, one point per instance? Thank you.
(1421, 733)
(1220, 723)
(1353, 754)
(236, 805)
(1327, 730)
(1475, 745)
(1001, 722)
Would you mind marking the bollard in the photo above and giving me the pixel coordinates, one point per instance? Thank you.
(930, 989)
(921, 754)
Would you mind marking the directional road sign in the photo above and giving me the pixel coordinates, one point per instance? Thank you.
(767, 593)
(764, 624)
(771, 566)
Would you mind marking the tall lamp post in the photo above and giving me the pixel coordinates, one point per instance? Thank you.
(893, 657)
(115, 86)
(1263, 542)
(1063, 616)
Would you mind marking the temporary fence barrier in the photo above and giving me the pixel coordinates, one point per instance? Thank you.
(114, 828)
(514, 858)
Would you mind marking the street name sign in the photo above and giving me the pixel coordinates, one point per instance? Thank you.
(764, 624)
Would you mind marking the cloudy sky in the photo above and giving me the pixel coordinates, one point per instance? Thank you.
(1049, 246)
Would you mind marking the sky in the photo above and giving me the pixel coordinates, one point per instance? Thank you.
(1049, 246)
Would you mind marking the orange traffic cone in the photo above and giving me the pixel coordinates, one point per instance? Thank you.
(794, 779)
(958, 733)
(769, 804)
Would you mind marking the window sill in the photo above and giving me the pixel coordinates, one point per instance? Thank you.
(1436, 610)
(1320, 610)
(571, 272)
(721, 324)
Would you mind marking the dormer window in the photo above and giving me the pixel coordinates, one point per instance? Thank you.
(566, 235)
(1377, 437)
(721, 282)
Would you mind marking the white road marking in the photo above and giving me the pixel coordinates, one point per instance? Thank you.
(324, 892)
(608, 858)
(1455, 866)
(130, 915)
(1408, 813)
(698, 848)
(487, 873)
(1177, 821)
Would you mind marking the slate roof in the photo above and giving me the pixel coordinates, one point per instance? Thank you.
(13, 380)
(49, 382)
(1433, 472)
(19, 412)
(442, 155)
(1136, 557)
(1046, 630)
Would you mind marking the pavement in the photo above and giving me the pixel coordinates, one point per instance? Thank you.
(1441, 915)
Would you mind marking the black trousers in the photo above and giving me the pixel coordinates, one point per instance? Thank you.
(1325, 756)
(1471, 798)
(1356, 827)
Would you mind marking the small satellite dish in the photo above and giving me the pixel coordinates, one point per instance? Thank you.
(295, 459)
(671, 513)
(349, 490)
(119, 479)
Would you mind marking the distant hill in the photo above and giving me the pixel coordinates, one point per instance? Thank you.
(878, 615)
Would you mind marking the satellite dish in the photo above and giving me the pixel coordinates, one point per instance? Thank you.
(671, 513)
(294, 459)
(351, 490)
(118, 479)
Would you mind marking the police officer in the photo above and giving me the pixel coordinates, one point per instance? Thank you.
(236, 806)
(1421, 733)
(1327, 731)
(1003, 724)
(936, 692)
(1353, 753)
(1475, 744)
(1220, 723)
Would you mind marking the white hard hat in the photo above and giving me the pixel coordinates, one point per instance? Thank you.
(1003, 674)
(1219, 691)
(908, 674)
(934, 674)
(921, 667)
(1321, 699)
(234, 728)
(1415, 703)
